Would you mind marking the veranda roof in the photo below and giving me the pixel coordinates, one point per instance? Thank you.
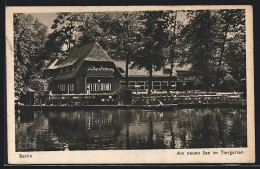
(134, 72)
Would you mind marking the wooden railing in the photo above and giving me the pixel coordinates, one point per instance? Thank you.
(189, 98)
(83, 99)
(144, 99)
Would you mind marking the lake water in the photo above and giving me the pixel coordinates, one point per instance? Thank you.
(130, 129)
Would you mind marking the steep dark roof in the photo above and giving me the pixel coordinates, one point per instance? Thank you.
(90, 52)
(77, 54)
(98, 54)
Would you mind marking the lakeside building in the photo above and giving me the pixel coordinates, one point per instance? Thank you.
(88, 69)
(138, 78)
(185, 78)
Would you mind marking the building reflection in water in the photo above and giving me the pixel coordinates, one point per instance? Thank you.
(130, 129)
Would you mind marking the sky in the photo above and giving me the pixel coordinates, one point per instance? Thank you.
(46, 19)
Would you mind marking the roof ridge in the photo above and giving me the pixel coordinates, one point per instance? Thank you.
(76, 55)
(106, 53)
(99, 54)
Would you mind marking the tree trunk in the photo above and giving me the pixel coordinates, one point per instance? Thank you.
(150, 79)
(70, 38)
(18, 48)
(206, 72)
(221, 57)
(172, 53)
(170, 77)
(126, 70)
(126, 48)
(127, 56)
(18, 53)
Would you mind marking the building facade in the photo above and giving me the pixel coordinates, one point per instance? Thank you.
(88, 69)
(139, 78)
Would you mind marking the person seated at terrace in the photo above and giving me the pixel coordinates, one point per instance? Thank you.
(160, 103)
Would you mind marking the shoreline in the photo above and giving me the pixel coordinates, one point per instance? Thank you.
(150, 107)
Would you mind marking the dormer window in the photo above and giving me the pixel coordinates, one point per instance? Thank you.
(67, 69)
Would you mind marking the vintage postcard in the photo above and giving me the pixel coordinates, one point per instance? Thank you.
(130, 84)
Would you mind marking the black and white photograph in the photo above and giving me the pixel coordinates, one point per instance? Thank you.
(174, 80)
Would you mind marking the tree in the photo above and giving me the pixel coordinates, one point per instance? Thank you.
(200, 46)
(29, 38)
(117, 32)
(125, 29)
(232, 47)
(54, 46)
(114, 31)
(66, 32)
(172, 41)
(90, 29)
(150, 54)
(39, 84)
(211, 52)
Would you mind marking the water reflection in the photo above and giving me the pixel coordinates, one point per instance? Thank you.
(130, 129)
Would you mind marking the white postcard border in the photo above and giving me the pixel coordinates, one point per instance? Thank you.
(128, 156)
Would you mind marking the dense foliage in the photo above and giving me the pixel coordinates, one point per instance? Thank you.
(215, 46)
(213, 41)
(29, 40)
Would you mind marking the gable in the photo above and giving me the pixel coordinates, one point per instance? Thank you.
(98, 54)
(77, 54)
(87, 53)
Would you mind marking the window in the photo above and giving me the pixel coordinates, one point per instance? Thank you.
(89, 87)
(66, 69)
(95, 87)
(66, 87)
(108, 86)
(141, 85)
(61, 70)
(61, 87)
(157, 85)
(164, 85)
(122, 83)
(173, 85)
(101, 87)
(71, 87)
(132, 84)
